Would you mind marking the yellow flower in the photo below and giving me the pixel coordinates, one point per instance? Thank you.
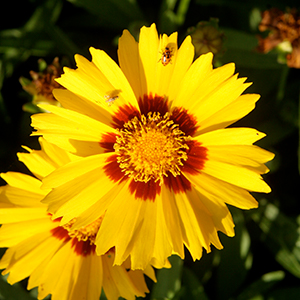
(58, 259)
(156, 157)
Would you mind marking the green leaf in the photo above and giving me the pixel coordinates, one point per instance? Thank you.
(115, 14)
(284, 293)
(170, 18)
(299, 134)
(12, 292)
(194, 289)
(240, 49)
(168, 281)
(62, 40)
(44, 14)
(259, 287)
(281, 235)
(235, 259)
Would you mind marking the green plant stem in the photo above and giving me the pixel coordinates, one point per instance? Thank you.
(282, 83)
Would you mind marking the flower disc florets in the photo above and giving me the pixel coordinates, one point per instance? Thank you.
(86, 233)
(150, 147)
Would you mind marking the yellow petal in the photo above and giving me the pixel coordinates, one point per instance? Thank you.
(173, 221)
(117, 282)
(204, 104)
(163, 73)
(218, 211)
(60, 274)
(196, 74)
(126, 217)
(229, 114)
(23, 181)
(244, 155)
(194, 235)
(97, 209)
(131, 64)
(230, 136)
(27, 255)
(69, 124)
(75, 169)
(88, 284)
(14, 233)
(149, 271)
(15, 214)
(116, 78)
(37, 163)
(149, 49)
(163, 245)
(43, 162)
(12, 197)
(183, 59)
(240, 176)
(143, 249)
(214, 188)
(78, 186)
(86, 81)
(82, 105)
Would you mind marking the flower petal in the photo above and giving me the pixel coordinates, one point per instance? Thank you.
(229, 114)
(81, 181)
(118, 282)
(230, 136)
(173, 221)
(12, 233)
(23, 182)
(116, 78)
(163, 73)
(69, 129)
(240, 176)
(21, 260)
(214, 188)
(184, 58)
(82, 105)
(127, 223)
(198, 228)
(43, 162)
(15, 214)
(86, 81)
(149, 49)
(131, 64)
(205, 103)
(196, 74)
(244, 155)
(65, 263)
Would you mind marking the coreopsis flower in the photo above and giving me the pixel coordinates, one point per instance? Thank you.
(42, 84)
(59, 260)
(156, 157)
(284, 34)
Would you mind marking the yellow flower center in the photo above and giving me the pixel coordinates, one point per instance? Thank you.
(86, 233)
(151, 147)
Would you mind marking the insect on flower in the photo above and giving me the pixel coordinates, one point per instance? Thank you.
(112, 96)
(110, 99)
(166, 56)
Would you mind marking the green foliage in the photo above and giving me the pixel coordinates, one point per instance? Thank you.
(262, 261)
(168, 281)
(13, 292)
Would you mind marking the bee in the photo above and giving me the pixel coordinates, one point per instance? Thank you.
(110, 99)
(166, 56)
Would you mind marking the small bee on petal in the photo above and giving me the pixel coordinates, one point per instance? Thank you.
(110, 99)
(166, 56)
